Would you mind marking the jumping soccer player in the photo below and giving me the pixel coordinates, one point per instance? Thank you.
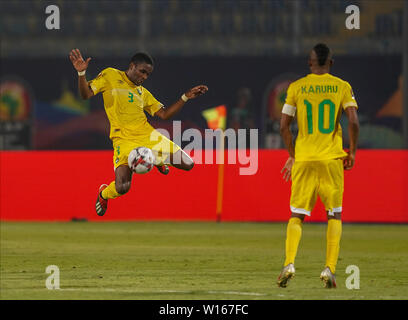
(125, 102)
(317, 162)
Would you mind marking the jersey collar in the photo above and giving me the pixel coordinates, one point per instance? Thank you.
(128, 81)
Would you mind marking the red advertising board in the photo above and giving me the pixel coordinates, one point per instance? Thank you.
(63, 185)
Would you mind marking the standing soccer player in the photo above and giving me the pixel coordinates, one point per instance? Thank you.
(125, 103)
(317, 162)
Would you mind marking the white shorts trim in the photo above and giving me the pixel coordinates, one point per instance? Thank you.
(335, 210)
(300, 211)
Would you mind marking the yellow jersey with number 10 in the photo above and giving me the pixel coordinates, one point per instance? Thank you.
(319, 101)
(125, 104)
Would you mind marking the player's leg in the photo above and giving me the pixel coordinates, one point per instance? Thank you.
(123, 174)
(185, 162)
(333, 236)
(293, 235)
(331, 193)
(168, 153)
(121, 185)
(181, 160)
(303, 199)
(334, 230)
(117, 188)
(123, 177)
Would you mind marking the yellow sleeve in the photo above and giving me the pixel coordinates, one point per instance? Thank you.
(291, 96)
(348, 98)
(100, 83)
(151, 105)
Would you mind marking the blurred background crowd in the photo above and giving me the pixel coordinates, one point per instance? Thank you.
(247, 52)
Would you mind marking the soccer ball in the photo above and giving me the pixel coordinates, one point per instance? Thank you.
(141, 160)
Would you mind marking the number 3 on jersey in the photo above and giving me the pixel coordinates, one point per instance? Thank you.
(325, 105)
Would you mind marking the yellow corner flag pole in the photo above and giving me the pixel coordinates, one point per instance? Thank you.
(216, 119)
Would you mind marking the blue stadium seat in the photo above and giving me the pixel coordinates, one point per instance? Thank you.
(400, 21)
(179, 25)
(249, 24)
(159, 6)
(156, 26)
(129, 6)
(89, 25)
(17, 26)
(67, 26)
(35, 24)
(111, 25)
(132, 26)
(204, 24)
(108, 6)
(3, 27)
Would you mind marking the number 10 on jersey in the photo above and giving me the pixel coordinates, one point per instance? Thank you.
(324, 106)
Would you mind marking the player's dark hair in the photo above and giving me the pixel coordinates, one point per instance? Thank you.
(322, 52)
(141, 57)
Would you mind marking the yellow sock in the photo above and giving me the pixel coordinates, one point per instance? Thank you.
(293, 235)
(334, 228)
(110, 192)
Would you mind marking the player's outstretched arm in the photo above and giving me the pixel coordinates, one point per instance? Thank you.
(81, 65)
(353, 130)
(167, 113)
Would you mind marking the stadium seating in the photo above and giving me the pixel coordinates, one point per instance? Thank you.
(166, 21)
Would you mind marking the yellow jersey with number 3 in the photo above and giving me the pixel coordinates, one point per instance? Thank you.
(319, 101)
(125, 104)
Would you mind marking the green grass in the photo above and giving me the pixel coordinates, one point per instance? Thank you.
(157, 260)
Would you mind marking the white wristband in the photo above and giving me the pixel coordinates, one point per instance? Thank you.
(81, 73)
(184, 98)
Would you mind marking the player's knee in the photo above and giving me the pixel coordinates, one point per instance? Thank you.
(122, 188)
(298, 215)
(189, 165)
(334, 215)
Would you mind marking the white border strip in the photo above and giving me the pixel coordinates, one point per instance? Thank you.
(242, 293)
(300, 211)
(335, 210)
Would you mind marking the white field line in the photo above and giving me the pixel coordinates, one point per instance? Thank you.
(334, 297)
(237, 293)
(163, 291)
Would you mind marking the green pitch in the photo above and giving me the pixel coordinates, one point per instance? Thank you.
(155, 260)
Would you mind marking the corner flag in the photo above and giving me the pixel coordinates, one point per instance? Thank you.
(216, 117)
